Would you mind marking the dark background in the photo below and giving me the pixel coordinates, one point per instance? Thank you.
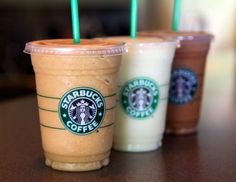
(22, 23)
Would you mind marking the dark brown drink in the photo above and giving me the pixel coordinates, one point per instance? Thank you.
(187, 79)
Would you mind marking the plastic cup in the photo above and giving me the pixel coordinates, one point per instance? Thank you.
(142, 101)
(76, 91)
(187, 79)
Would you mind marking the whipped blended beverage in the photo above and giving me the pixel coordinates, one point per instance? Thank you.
(143, 94)
(187, 79)
(76, 90)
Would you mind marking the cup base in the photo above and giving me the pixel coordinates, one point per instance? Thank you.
(137, 147)
(76, 164)
(181, 131)
(76, 167)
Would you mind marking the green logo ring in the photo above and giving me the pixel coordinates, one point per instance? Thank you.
(81, 110)
(139, 97)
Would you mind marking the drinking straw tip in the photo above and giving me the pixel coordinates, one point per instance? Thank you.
(133, 19)
(176, 15)
(75, 21)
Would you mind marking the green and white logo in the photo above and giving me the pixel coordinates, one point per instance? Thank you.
(81, 110)
(140, 97)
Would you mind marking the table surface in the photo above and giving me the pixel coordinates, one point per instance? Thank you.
(210, 155)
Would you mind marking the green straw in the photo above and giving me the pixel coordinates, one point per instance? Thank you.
(134, 19)
(176, 15)
(75, 21)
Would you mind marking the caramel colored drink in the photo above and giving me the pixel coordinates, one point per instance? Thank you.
(76, 90)
(187, 80)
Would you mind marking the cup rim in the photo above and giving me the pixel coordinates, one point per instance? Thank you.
(88, 47)
(143, 41)
(180, 35)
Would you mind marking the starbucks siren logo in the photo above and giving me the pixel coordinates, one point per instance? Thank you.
(183, 86)
(81, 110)
(140, 97)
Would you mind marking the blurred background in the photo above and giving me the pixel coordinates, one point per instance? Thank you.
(23, 21)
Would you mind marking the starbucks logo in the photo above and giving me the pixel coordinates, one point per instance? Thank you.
(183, 86)
(81, 110)
(140, 97)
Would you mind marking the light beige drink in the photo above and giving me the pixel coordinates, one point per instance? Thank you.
(142, 101)
(76, 88)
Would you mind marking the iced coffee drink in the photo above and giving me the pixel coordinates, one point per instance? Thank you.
(187, 79)
(143, 95)
(76, 90)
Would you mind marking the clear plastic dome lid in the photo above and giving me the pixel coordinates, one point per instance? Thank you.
(144, 42)
(181, 35)
(87, 47)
